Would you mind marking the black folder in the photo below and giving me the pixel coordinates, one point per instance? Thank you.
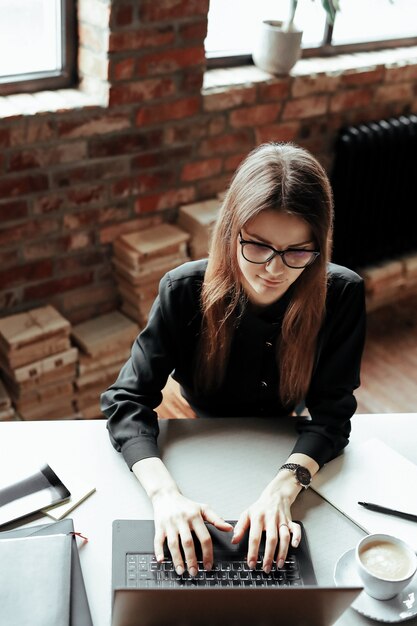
(80, 614)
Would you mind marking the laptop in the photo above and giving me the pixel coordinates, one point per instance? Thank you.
(147, 593)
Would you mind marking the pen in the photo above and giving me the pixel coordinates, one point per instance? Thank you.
(383, 509)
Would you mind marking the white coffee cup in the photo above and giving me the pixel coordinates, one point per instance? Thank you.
(385, 564)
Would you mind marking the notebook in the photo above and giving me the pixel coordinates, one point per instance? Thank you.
(372, 472)
(79, 609)
(146, 593)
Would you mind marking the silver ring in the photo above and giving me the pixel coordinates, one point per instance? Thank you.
(286, 526)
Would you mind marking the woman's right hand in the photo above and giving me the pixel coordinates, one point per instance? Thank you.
(175, 518)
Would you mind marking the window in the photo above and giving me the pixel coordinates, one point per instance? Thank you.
(360, 24)
(37, 45)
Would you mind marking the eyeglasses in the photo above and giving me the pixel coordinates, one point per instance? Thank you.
(296, 258)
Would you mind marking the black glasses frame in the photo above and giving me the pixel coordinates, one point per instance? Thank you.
(275, 252)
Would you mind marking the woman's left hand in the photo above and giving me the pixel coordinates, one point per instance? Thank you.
(271, 513)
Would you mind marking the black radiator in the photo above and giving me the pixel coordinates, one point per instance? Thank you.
(374, 181)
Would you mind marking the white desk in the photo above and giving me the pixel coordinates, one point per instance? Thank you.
(229, 484)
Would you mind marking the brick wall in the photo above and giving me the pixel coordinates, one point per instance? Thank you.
(144, 135)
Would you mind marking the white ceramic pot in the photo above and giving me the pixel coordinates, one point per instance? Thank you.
(277, 51)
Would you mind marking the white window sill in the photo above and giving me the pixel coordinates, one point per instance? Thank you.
(335, 65)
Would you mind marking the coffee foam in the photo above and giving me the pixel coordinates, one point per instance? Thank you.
(386, 560)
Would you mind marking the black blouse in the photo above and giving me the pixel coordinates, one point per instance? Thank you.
(168, 346)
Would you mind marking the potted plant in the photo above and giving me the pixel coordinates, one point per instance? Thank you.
(278, 47)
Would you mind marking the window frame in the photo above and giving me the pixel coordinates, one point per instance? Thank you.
(59, 79)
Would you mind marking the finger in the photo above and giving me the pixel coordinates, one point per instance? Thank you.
(174, 548)
(241, 527)
(296, 534)
(284, 542)
(188, 546)
(204, 538)
(158, 544)
(210, 516)
(255, 534)
(271, 543)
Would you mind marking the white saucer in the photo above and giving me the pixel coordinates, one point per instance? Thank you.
(398, 609)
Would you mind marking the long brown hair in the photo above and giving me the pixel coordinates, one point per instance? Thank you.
(287, 178)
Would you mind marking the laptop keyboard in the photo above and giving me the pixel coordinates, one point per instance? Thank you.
(143, 570)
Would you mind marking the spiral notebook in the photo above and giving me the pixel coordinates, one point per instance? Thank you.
(372, 472)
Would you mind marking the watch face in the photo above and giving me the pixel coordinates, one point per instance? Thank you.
(303, 476)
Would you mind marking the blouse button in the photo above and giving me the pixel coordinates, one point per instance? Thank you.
(264, 384)
(268, 344)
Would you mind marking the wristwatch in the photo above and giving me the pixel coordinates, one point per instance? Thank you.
(302, 474)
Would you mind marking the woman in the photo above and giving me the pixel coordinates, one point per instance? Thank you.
(264, 324)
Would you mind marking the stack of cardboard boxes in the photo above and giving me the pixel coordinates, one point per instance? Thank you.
(105, 343)
(198, 219)
(38, 363)
(141, 259)
(7, 412)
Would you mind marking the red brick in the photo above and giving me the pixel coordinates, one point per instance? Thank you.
(216, 125)
(77, 263)
(8, 258)
(392, 93)
(171, 199)
(52, 287)
(175, 110)
(183, 132)
(25, 273)
(90, 172)
(163, 157)
(276, 90)
(305, 107)
(47, 204)
(54, 248)
(115, 213)
(21, 185)
(151, 182)
(362, 76)
(401, 73)
(254, 116)
(122, 188)
(122, 15)
(191, 80)
(151, 11)
(28, 230)
(142, 39)
(225, 99)
(11, 211)
(307, 85)
(141, 91)
(193, 30)
(4, 137)
(88, 195)
(212, 186)
(232, 162)
(80, 219)
(124, 69)
(287, 131)
(226, 143)
(32, 130)
(350, 99)
(126, 143)
(46, 156)
(171, 60)
(201, 169)
(71, 128)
